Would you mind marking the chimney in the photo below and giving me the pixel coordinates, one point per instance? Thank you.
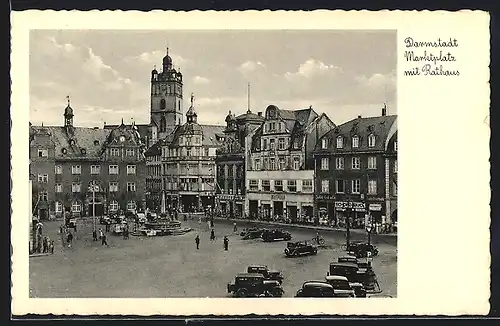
(359, 117)
(260, 114)
(384, 111)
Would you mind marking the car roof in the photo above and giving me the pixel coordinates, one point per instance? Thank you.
(336, 277)
(344, 264)
(255, 275)
(348, 256)
(317, 283)
(255, 265)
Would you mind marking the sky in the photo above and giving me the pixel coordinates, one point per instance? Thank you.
(107, 73)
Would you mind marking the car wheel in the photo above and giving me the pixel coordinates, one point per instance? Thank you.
(242, 293)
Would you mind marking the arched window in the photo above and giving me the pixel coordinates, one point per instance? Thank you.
(76, 207)
(179, 107)
(175, 103)
(163, 104)
(371, 140)
(131, 205)
(163, 124)
(113, 206)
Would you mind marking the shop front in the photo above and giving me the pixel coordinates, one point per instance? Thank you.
(354, 211)
(325, 209)
(288, 208)
(231, 205)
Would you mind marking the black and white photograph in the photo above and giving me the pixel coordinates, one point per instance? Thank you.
(213, 164)
(249, 163)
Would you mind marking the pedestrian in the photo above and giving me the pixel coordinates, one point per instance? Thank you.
(60, 229)
(107, 227)
(212, 222)
(104, 240)
(235, 228)
(212, 235)
(52, 247)
(199, 221)
(45, 245)
(197, 240)
(94, 235)
(74, 226)
(101, 234)
(70, 239)
(226, 243)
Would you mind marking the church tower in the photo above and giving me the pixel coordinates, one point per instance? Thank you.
(166, 98)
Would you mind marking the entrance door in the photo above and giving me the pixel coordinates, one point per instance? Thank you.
(253, 208)
(99, 209)
(231, 209)
(292, 213)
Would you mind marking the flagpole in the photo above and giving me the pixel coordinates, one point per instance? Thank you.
(93, 206)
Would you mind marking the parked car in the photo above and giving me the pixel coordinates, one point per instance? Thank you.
(341, 286)
(365, 276)
(141, 218)
(315, 289)
(104, 220)
(359, 290)
(362, 249)
(264, 271)
(276, 235)
(71, 222)
(252, 234)
(248, 285)
(347, 259)
(299, 248)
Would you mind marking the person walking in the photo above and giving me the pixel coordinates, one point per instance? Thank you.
(226, 243)
(51, 247)
(45, 245)
(212, 235)
(70, 238)
(235, 228)
(101, 234)
(104, 240)
(197, 240)
(94, 235)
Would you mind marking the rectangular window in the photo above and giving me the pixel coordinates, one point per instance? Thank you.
(43, 178)
(371, 141)
(281, 144)
(129, 152)
(43, 153)
(278, 185)
(324, 164)
(59, 187)
(58, 169)
(325, 186)
(396, 146)
(292, 185)
(266, 185)
(339, 186)
(394, 188)
(340, 142)
(282, 163)
(130, 186)
(253, 185)
(372, 162)
(355, 163)
(372, 187)
(113, 169)
(76, 187)
(257, 164)
(273, 164)
(296, 163)
(130, 169)
(296, 144)
(355, 142)
(43, 196)
(355, 186)
(264, 144)
(76, 169)
(95, 169)
(307, 185)
(324, 143)
(396, 166)
(115, 151)
(266, 163)
(272, 144)
(339, 163)
(113, 187)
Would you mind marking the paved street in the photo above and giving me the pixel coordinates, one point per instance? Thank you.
(172, 267)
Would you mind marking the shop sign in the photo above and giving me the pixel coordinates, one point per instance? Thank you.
(342, 205)
(324, 197)
(278, 197)
(230, 197)
(375, 207)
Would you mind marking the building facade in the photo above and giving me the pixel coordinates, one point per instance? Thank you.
(153, 176)
(188, 163)
(230, 163)
(355, 167)
(66, 160)
(279, 178)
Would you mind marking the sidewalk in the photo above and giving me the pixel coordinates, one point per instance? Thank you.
(311, 227)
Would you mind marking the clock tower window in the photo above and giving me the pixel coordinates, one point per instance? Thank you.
(163, 104)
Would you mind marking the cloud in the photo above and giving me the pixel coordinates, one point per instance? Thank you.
(312, 68)
(250, 66)
(200, 80)
(152, 58)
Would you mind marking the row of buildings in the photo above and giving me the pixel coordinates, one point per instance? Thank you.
(290, 165)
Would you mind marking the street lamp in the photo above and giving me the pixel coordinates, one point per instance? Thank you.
(349, 210)
(369, 231)
(93, 188)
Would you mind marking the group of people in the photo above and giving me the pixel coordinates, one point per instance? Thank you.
(212, 238)
(102, 237)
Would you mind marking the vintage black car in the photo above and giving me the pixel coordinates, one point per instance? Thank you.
(276, 235)
(341, 286)
(315, 289)
(266, 272)
(252, 233)
(365, 276)
(254, 285)
(362, 249)
(104, 220)
(299, 248)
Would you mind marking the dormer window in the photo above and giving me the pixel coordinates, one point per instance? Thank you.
(122, 139)
(324, 143)
(71, 142)
(355, 142)
(96, 142)
(395, 145)
(64, 150)
(340, 142)
(83, 151)
(371, 140)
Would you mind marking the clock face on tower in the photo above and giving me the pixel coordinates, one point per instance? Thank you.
(163, 88)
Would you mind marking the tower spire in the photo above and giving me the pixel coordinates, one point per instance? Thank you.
(248, 99)
(69, 102)
(192, 100)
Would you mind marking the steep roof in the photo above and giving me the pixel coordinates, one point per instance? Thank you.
(361, 127)
(142, 128)
(90, 140)
(154, 150)
(211, 134)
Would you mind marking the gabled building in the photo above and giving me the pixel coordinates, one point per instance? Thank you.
(188, 163)
(356, 172)
(153, 176)
(281, 170)
(66, 160)
(230, 162)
